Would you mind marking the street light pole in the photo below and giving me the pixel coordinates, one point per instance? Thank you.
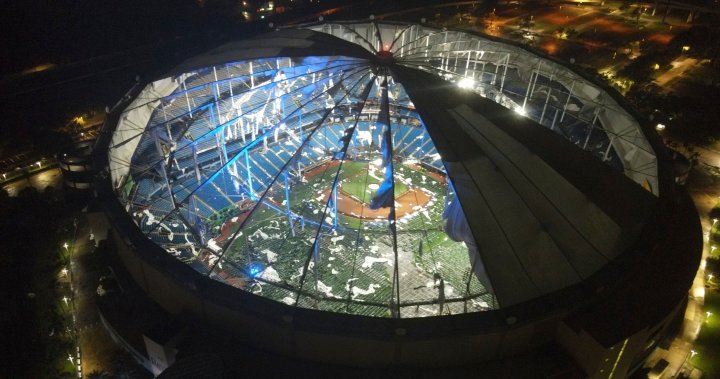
(69, 249)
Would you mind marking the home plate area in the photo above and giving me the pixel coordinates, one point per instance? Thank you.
(356, 191)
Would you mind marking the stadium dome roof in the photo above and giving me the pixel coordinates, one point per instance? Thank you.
(384, 169)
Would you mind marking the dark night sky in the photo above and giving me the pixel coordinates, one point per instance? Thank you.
(61, 31)
(100, 46)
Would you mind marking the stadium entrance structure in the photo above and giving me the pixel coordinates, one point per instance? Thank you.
(387, 170)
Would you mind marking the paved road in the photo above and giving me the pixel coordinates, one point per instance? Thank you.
(679, 67)
(704, 188)
(98, 349)
(40, 181)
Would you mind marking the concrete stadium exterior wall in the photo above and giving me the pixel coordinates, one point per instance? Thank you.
(358, 341)
(76, 166)
(289, 333)
(361, 341)
(599, 361)
(158, 286)
(118, 339)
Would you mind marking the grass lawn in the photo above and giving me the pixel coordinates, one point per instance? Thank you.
(341, 262)
(715, 229)
(66, 367)
(707, 345)
(708, 342)
(356, 180)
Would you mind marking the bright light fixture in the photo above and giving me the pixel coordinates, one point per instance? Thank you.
(466, 83)
(521, 111)
(660, 127)
(699, 292)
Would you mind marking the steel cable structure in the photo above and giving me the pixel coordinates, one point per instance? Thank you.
(260, 171)
(392, 194)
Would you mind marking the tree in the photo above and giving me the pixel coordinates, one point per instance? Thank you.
(527, 22)
(712, 265)
(49, 142)
(636, 13)
(125, 367)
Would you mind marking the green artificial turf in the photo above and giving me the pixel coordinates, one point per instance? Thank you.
(356, 181)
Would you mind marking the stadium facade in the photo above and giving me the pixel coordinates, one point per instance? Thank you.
(392, 194)
(75, 164)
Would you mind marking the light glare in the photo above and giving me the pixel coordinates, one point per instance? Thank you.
(466, 83)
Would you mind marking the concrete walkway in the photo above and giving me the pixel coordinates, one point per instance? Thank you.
(97, 349)
(705, 192)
